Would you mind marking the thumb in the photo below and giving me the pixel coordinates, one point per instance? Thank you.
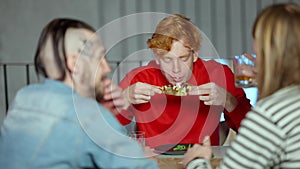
(206, 141)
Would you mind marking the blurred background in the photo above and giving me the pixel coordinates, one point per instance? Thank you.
(227, 23)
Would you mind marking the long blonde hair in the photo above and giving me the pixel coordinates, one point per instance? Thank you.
(276, 34)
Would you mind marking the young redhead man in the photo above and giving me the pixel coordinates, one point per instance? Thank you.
(169, 119)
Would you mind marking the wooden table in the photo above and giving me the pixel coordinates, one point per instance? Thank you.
(174, 161)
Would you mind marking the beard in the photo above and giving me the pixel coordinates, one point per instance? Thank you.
(99, 90)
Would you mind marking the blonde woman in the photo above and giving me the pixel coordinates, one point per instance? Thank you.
(269, 137)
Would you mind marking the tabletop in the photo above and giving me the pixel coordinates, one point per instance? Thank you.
(174, 161)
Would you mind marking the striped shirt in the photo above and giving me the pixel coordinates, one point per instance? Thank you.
(269, 136)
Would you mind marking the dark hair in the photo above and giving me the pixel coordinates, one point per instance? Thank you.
(56, 30)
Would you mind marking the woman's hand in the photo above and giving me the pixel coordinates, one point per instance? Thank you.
(198, 151)
(247, 70)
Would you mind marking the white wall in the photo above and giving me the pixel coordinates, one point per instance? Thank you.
(20, 25)
(22, 22)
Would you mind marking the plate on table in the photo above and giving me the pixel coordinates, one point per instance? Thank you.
(172, 149)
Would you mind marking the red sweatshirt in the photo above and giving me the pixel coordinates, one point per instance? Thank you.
(173, 119)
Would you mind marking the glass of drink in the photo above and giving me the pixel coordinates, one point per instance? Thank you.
(138, 136)
(241, 65)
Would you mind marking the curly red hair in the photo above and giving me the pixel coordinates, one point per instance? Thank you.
(175, 27)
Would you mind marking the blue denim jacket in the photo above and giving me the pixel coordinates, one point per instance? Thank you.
(50, 126)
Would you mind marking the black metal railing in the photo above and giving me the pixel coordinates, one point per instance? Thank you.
(116, 66)
(4, 67)
(5, 77)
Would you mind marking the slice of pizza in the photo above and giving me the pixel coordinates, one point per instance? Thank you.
(179, 89)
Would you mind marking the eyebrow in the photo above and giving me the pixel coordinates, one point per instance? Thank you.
(186, 55)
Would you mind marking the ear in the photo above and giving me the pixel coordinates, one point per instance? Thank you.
(195, 56)
(71, 62)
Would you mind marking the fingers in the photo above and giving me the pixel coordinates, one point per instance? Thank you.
(206, 91)
(209, 99)
(202, 89)
(156, 89)
(210, 93)
(246, 70)
(206, 141)
(141, 98)
(148, 89)
(135, 94)
(190, 154)
(112, 92)
(197, 151)
(207, 148)
(141, 92)
(202, 151)
(198, 91)
(106, 82)
(113, 98)
(253, 59)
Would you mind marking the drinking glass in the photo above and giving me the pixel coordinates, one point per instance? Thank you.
(241, 64)
(138, 136)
